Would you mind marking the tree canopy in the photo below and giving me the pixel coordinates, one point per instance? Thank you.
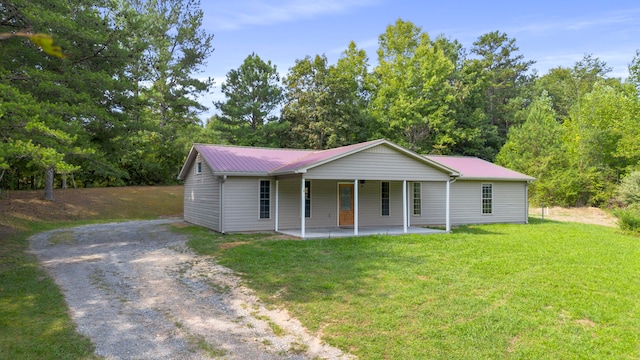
(107, 93)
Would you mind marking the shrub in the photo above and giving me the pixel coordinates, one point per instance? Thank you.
(629, 189)
(629, 218)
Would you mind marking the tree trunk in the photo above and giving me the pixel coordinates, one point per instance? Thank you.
(48, 184)
(63, 185)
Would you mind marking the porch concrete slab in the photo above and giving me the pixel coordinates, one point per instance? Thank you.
(327, 233)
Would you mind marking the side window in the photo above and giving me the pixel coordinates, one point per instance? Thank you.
(199, 167)
(307, 198)
(265, 199)
(487, 199)
(417, 199)
(384, 198)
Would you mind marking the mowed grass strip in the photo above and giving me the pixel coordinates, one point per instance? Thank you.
(544, 290)
(34, 319)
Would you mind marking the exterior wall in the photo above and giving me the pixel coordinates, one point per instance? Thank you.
(324, 206)
(377, 163)
(370, 204)
(241, 205)
(202, 197)
(434, 197)
(509, 202)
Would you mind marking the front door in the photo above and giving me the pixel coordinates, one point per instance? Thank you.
(345, 205)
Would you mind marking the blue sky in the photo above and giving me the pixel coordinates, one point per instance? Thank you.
(552, 33)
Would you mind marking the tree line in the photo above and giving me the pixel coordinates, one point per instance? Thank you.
(122, 109)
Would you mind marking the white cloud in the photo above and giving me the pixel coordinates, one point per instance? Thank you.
(582, 24)
(240, 14)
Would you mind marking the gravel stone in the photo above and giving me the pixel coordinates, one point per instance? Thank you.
(138, 292)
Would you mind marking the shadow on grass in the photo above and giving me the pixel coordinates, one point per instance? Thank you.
(539, 221)
(473, 230)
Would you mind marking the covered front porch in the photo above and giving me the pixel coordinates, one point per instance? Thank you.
(337, 232)
(326, 208)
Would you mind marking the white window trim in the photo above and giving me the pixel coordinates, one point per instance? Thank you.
(482, 199)
(413, 194)
(389, 198)
(259, 199)
(198, 167)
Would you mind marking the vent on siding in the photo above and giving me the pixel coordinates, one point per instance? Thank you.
(380, 149)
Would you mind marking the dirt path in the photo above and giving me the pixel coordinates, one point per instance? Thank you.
(138, 292)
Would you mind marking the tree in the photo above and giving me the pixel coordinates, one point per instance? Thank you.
(504, 77)
(325, 105)
(634, 71)
(566, 86)
(411, 96)
(594, 136)
(169, 47)
(536, 148)
(55, 104)
(253, 92)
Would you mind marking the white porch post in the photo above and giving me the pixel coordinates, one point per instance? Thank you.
(355, 207)
(277, 205)
(447, 208)
(404, 206)
(302, 212)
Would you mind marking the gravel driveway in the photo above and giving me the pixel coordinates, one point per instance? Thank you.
(138, 292)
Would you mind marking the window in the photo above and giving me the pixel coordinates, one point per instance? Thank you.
(199, 167)
(417, 199)
(384, 186)
(265, 199)
(487, 198)
(307, 198)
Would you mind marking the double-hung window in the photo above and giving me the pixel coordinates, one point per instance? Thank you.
(487, 199)
(417, 199)
(307, 198)
(265, 199)
(384, 198)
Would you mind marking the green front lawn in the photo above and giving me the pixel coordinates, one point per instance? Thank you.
(545, 290)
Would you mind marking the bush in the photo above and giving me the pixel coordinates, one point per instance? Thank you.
(629, 219)
(629, 189)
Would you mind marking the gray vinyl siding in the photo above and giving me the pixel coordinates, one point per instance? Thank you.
(434, 197)
(370, 204)
(202, 197)
(241, 205)
(324, 206)
(508, 205)
(378, 163)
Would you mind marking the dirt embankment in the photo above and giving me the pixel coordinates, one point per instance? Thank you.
(132, 202)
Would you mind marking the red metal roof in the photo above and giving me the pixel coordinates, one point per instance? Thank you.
(238, 159)
(318, 156)
(267, 161)
(475, 168)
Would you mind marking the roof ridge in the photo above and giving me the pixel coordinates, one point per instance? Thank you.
(318, 151)
(253, 147)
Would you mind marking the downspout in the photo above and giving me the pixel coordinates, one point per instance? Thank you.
(526, 202)
(223, 179)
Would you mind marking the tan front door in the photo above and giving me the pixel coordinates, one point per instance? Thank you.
(345, 205)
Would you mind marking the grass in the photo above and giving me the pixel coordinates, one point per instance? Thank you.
(544, 290)
(34, 319)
